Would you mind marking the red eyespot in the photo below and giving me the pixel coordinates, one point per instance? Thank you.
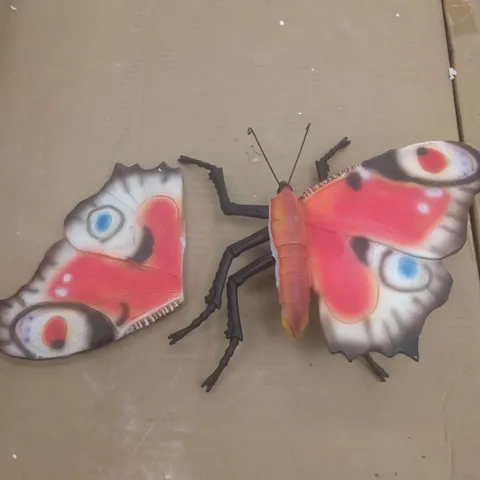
(432, 161)
(55, 332)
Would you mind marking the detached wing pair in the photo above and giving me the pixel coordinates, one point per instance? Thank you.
(118, 269)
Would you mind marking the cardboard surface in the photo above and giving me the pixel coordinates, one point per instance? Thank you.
(462, 19)
(86, 84)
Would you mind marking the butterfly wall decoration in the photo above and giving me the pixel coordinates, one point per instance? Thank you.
(369, 241)
(118, 269)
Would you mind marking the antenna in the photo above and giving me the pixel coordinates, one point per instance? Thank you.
(299, 153)
(251, 132)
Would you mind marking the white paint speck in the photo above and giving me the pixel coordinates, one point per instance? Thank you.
(61, 292)
(14, 456)
(117, 64)
(451, 73)
(397, 15)
(423, 208)
(67, 278)
(13, 7)
(313, 69)
(254, 160)
(299, 113)
(433, 192)
(281, 23)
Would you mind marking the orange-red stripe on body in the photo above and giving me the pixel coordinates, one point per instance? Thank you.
(289, 246)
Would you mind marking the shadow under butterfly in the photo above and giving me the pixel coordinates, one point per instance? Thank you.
(368, 241)
(118, 269)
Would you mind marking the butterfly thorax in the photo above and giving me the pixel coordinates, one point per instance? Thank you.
(289, 247)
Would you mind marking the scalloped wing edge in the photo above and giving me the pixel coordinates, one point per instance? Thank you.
(395, 326)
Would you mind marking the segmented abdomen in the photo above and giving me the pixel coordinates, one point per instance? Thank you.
(288, 243)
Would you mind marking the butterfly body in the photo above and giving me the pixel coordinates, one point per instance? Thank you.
(288, 242)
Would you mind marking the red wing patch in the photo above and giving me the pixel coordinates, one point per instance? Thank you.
(347, 285)
(376, 233)
(119, 269)
(392, 200)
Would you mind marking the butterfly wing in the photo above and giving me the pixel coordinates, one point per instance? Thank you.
(376, 234)
(415, 199)
(121, 220)
(372, 297)
(118, 269)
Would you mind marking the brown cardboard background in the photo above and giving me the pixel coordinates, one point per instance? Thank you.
(462, 21)
(86, 84)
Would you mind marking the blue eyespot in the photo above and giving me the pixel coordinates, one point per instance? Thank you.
(103, 222)
(407, 267)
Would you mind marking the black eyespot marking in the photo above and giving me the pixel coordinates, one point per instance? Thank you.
(99, 328)
(360, 246)
(145, 249)
(57, 344)
(386, 165)
(354, 181)
(124, 315)
(422, 151)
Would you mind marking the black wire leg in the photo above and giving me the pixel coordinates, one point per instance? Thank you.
(234, 325)
(323, 169)
(214, 296)
(228, 207)
(379, 372)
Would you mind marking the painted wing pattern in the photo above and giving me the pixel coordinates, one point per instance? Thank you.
(118, 269)
(376, 235)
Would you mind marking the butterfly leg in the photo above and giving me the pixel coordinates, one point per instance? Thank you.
(376, 368)
(234, 325)
(214, 297)
(228, 207)
(323, 169)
